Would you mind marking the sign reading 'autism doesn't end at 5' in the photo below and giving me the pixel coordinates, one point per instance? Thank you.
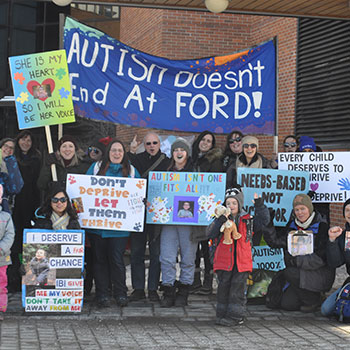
(42, 89)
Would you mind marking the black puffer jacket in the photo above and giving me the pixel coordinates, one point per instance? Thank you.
(336, 254)
(209, 162)
(315, 274)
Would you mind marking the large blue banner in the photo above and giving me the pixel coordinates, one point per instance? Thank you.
(114, 82)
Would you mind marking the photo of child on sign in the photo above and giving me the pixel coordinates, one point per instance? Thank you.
(186, 210)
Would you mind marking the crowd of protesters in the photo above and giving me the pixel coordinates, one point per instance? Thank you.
(24, 174)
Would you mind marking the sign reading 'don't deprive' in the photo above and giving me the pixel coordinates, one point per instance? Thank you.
(329, 173)
(54, 263)
(42, 89)
(277, 187)
(108, 203)
(181, 198)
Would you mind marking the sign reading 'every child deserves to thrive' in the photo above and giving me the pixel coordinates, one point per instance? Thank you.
(180, 198)
(42, 89)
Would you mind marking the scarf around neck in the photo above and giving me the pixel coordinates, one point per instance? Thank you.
(307, 223)
(59, 222)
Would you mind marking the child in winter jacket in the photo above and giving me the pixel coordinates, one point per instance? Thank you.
(7, 235)
(40, 267)
(233, 260)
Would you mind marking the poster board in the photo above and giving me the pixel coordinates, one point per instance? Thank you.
(184, 198)
(54, 264)
(42, 89)
(108, 203)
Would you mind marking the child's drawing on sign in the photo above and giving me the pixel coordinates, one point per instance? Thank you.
(208, 205)
(159, 209)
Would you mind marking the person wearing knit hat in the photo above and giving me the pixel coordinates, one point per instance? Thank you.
(307, 144)
(96, 150)
(177, 237)
(308, 275)
(338, 254)
(249, 158)
(233, 261)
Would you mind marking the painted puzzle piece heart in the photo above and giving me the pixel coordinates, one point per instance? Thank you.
(314, 187)
(41, 91)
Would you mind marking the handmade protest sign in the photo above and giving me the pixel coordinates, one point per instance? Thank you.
(108, 203)
(329, 173)
(182, 198)
(266, 258)
(236, 91)
(42, 89)
(277, 187)
(54, 263)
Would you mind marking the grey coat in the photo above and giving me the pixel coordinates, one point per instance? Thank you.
(7, 235)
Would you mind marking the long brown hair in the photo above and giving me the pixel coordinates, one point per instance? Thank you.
(106, 161)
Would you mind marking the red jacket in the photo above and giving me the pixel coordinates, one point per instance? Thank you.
(224, 254)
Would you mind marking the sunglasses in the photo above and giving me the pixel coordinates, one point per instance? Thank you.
(56, 200)
(251, 145)
(95, 150)
(151, 143)
(237, 139)
(289, 145)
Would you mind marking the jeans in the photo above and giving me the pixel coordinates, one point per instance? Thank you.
(138, 247)
(172, 238)
(231, 294)
(328, 306)
(109, 259)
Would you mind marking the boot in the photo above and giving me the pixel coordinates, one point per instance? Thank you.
(207, 287)
(168, 298)
(197, 284)
(182, 295)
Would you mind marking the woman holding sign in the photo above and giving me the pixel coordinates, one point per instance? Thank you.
(307, 275)
(108, 246)
(175, 237)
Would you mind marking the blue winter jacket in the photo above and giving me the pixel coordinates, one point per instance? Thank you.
(114, 170)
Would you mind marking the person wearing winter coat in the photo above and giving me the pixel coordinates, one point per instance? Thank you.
(152, 159)
(249, 158)
(177, 237)
(206, 158)
(7, 235)
(307, 275)
(40, 267)
(68, 160)
(233, 148)
(233, 259)
(338, 254)
(108, 246)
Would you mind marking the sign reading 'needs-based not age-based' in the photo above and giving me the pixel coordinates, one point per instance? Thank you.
(108, 203)
(329, 173)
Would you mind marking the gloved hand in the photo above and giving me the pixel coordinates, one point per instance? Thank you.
(258, 202)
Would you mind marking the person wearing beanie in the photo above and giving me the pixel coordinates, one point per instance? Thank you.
(96, 150)
(338, 254)
(307, 144)
(67, 159)
(7, 235)
(175, 237)
(307, 275)
(233, 261)
(206, 158)
(249, 158)
(151, 159)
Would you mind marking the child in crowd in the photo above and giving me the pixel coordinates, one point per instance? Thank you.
(7, 235)
(233, 261)
(185, 212)
(40, 267)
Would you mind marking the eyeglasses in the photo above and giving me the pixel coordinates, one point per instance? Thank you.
(237, 139)
(8, 147)
(251, 145)
(56, 200)
(95, 150)
(151, 143)
(289, 145)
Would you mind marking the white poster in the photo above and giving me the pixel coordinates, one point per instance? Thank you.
(108, 203)
(329, 173)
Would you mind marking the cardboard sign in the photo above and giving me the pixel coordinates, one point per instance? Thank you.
(42, 89)
(54, 263)
(277, 187)
(181, 198)
(108, 203)
(266, 258)
(329, 173)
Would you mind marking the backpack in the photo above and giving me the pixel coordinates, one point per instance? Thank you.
(275, 291)
(342, 304)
